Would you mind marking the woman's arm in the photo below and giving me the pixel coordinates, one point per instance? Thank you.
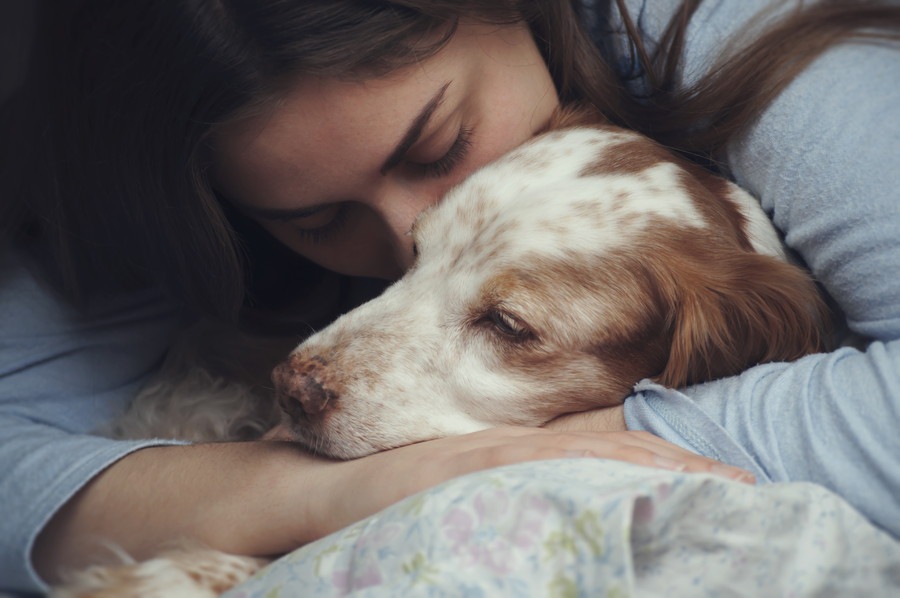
(823, 160)
(267, 498)
(62, 374)
(235, 497)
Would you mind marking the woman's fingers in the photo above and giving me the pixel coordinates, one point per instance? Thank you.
(451, 457)
(355, 489)
(610, 423)
(640, 448)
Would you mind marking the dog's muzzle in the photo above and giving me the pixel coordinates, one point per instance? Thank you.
(300, 391)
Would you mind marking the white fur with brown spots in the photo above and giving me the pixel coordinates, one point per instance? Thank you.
(548, 282)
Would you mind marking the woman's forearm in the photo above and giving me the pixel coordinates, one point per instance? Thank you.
(244, 498)
(266, 498)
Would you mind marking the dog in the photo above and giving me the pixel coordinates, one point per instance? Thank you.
(548, 282)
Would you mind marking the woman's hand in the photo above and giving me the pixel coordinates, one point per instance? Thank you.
(348, 491)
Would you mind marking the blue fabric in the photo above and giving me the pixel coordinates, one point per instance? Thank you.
(62, 374)
(823, 159)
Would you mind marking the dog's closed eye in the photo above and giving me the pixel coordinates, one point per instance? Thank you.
(507, 325)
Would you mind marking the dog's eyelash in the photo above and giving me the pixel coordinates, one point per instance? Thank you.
(508, 325)
(325, 232)
(456, 154)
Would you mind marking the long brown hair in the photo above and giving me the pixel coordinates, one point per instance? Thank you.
(106, 160)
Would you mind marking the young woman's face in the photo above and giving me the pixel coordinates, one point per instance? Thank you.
(339, 170)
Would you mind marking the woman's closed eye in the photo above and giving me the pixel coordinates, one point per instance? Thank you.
(321, 225)
(452, 158)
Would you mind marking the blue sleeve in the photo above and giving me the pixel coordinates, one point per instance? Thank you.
(62, 374)
(823, 159)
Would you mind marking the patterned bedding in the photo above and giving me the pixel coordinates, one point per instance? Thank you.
(591, 527)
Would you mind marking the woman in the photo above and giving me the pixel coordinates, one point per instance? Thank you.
(177, 140)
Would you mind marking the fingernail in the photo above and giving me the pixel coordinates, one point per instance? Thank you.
(666, 463)
(733, 473)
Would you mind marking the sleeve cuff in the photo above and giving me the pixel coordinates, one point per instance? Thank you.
(673, 416)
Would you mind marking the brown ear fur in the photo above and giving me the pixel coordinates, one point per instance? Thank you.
(737, 309)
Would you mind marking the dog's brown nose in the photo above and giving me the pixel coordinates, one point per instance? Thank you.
(299, 393)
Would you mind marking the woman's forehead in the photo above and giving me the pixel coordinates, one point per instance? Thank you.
(472, 44)
(321, 123)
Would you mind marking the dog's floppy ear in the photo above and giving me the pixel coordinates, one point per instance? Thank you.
(734, 310)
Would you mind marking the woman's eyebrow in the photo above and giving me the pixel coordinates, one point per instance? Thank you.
(409, 139)
(414, 131)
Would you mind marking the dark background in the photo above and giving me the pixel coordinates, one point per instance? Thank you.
(16, 25)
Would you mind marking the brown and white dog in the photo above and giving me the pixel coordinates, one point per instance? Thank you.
(549, 282)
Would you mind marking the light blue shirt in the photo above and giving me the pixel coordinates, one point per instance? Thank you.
(824, 161)
(62, 374)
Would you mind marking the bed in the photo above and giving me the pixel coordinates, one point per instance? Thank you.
(592, 527)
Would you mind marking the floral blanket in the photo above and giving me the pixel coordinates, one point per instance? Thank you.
(590, 527)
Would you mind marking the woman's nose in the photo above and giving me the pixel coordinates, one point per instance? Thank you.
(398, 206)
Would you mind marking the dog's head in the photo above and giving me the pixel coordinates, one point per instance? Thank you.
(550, 282)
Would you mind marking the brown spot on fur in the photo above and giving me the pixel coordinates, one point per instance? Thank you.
(582, 356)
(676, 306)
(711, 196)
(632, 156)
(709, 192)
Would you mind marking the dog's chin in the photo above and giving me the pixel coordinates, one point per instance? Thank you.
(343, 446)
(324, 446)
(339, 437)
(348, 442)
